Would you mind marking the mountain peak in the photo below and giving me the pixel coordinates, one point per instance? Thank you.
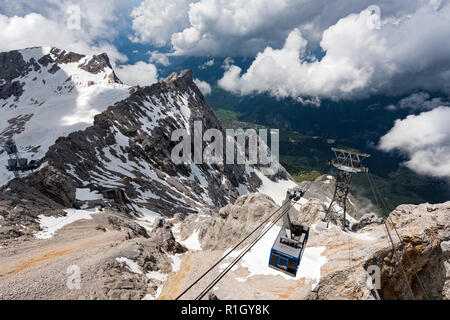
(184, 76)
(62, 89)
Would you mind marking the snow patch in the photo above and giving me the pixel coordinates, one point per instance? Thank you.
(275, 190)
(176, 262)
(50, 225)
(192, 243)
(158, 276)
(131, 265)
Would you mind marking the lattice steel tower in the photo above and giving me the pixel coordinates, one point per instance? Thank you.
(347, 162)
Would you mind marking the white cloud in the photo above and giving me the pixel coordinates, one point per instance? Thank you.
(236, 27)
(48, 27)
(358, 60)
(34, 30)
(207, 64)
(425, 140)
(158, 57)
(46, 23)
(98, 18)
(141, 73)
(203, 86)
(154, 21)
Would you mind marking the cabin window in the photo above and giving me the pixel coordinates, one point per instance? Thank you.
(283, 262)
(291, 266)
(274, 259)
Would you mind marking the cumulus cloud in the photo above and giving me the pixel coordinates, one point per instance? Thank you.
(98, 18)
(46, 23)
(203, 86)
(358, 61)
(140, 73)
(235, 27)
(154, 21)
(425, 140)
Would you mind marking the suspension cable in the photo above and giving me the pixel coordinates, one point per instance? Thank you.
(403, 246)
(402, 243)
(404, 252)
(242, 254)
(227, 254)
(236, 246)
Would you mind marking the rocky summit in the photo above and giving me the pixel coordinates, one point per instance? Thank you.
(109, 203)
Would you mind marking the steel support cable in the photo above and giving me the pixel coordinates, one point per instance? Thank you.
(405, 278)
(234, 248)
(402, 243)
(407, 257)
(242, 254)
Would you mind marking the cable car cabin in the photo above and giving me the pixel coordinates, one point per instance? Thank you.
(287, 251)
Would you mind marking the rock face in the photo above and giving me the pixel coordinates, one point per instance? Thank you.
(46, 93)
(12, 66)
(130, 147)
(313, 211)
(231, 223)
(23, 200)
(152, 257)
(366, 220)
(424, 231)
(323, 189)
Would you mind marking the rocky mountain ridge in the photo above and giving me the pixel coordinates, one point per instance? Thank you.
(47, 92)
(126, 150)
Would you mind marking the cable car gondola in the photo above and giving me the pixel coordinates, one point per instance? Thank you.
(290, 244)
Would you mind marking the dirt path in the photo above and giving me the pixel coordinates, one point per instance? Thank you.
(37, 269)
(176, 282)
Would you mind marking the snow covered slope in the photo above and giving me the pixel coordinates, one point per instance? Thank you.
(74, 114)
(46, 93)
(129, 147)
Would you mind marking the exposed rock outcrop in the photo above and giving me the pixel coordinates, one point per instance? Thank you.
(367, 220)
(23, 200)
(232, 223)
(425, 231)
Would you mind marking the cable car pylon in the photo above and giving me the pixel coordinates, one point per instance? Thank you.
(347, 163)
